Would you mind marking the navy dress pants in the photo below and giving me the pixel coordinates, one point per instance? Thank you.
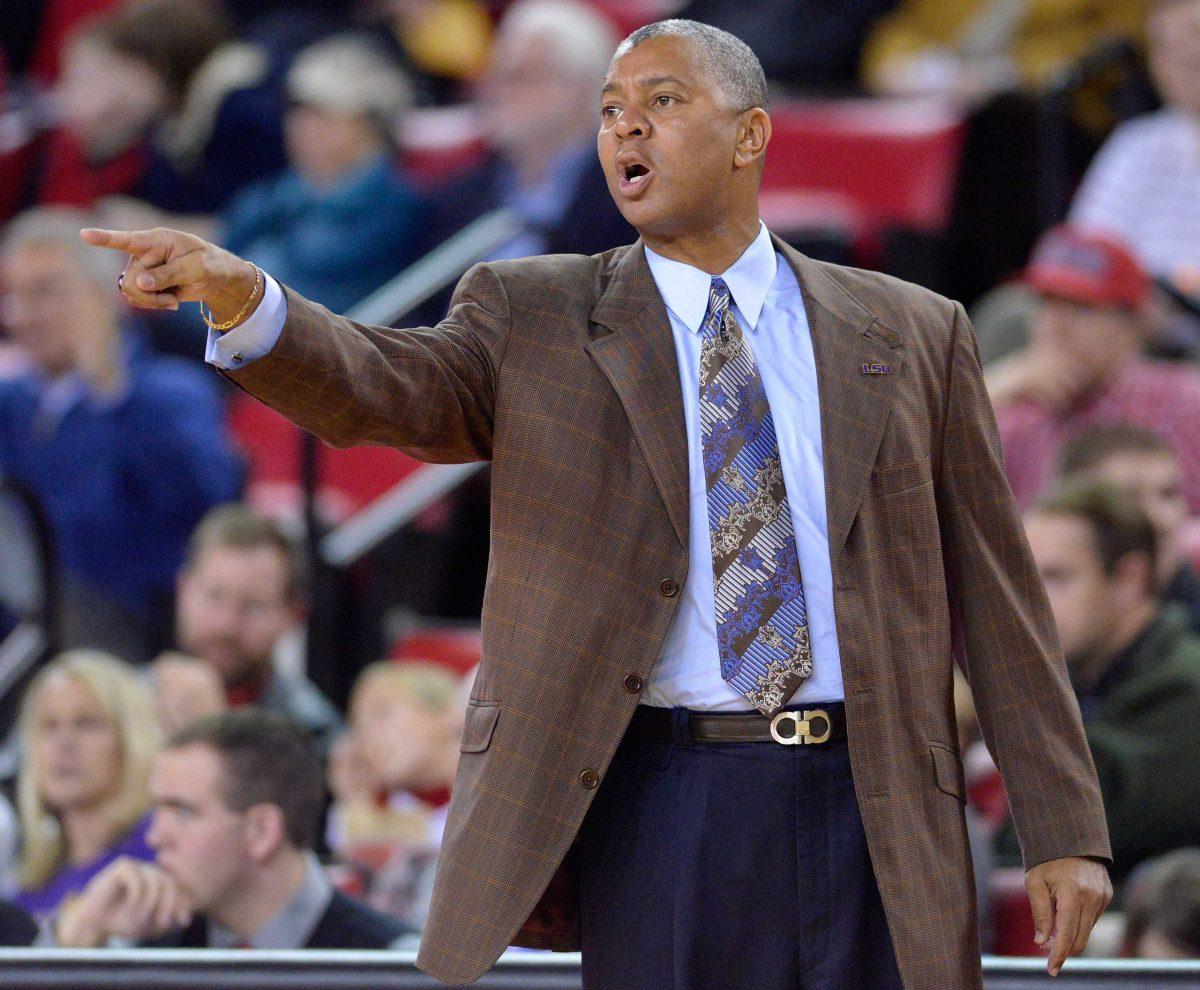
(729, 866)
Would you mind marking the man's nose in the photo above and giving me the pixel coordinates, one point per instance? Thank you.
(631, 123)
(225, 616)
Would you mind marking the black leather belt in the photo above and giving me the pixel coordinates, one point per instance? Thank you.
(809, 726)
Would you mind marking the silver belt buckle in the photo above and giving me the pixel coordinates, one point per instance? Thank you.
(803, 733)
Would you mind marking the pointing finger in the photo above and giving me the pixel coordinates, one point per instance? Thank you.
(131, 242)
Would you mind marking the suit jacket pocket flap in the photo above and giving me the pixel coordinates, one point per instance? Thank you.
(480, 724)
(948, 771)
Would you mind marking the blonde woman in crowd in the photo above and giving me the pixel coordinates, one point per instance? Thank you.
(88, 736)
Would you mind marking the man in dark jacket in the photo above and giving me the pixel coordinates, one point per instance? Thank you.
(1134, 664)
(1142, 463)
(237, 800)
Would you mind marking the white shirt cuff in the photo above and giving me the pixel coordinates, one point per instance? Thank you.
(250, 340)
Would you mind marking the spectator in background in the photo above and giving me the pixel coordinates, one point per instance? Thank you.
(162, 103)
(237, 797)
(1162, 908)
(1141, 463)
(971, 49)
(1144, 184)
(240, 593)
(1133, 662)
(88, 738)
(1083, 368)
(539, 110)
(125, 450)
(391, 782)
(341, 221)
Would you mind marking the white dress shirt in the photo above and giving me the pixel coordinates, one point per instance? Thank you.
(769, 307)
(770, 311)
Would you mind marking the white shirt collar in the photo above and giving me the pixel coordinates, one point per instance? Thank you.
(685, 289)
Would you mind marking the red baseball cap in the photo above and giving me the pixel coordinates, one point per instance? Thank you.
(1086, 266)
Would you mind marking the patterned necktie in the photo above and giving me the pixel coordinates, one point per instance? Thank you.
(762, 623)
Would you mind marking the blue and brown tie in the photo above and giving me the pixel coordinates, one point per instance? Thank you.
(762, 623)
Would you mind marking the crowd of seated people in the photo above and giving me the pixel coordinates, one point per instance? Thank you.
(269, 818)
(237, 803)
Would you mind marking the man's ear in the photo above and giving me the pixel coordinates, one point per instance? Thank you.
(753, 134)
(265, 830)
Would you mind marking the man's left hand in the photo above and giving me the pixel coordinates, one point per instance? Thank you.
(1067, 896)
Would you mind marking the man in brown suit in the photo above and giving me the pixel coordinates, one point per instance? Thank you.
(576, 376)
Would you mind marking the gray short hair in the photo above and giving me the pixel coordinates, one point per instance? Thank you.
(59, 227)
(729, 60)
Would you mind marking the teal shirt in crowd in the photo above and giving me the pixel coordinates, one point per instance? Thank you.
(336, 244)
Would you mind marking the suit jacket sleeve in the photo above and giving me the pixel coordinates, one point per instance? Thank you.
(430, 391)
(1005, 632)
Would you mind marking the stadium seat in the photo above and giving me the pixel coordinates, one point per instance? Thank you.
(456, 647)
(1012, 917)
(348, 480)
(877, 164)
(437, 142)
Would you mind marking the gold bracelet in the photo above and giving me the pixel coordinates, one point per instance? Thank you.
(230, 324)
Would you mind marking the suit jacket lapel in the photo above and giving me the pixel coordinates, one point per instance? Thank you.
(633, 345)
(854, 405)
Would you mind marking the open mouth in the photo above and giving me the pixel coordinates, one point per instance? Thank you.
(634, 178)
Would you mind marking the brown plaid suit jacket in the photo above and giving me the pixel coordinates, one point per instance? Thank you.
(561, 370)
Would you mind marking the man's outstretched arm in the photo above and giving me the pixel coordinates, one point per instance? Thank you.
(429, 392)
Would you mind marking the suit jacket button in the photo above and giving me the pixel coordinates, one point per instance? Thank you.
(668, 587)
(589, 779)
(633, 683)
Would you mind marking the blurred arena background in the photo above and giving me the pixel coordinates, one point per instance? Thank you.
(170, 549)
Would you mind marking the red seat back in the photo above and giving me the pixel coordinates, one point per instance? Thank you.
(455, 647)
(1012, 917)
(348, 480)
(891, 163)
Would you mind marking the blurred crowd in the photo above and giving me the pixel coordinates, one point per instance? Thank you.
(175, 772)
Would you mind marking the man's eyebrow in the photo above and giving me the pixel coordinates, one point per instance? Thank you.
(662, 80)
(647, 83)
